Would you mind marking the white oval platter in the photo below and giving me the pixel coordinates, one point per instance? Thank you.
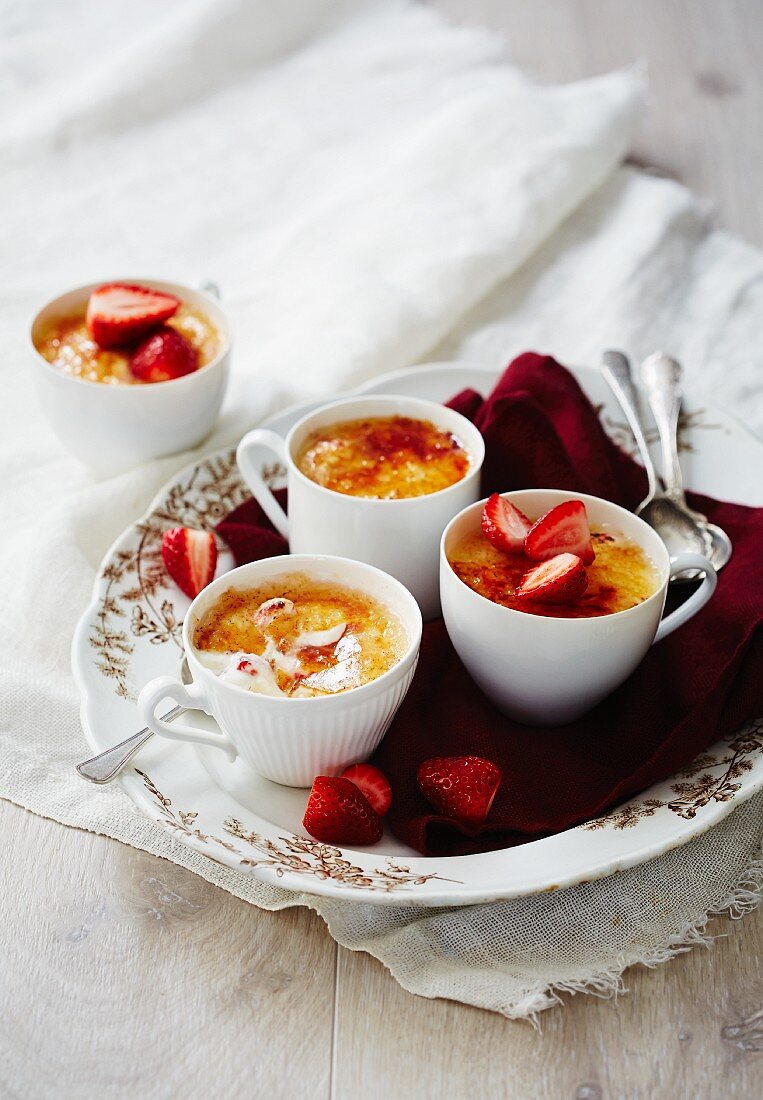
(131, 632)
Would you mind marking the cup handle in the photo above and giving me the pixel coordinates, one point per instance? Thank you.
(696, 601)
(246, 457)
(192, 697)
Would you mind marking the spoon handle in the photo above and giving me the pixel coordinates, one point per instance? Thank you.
(662, 377)
(107, 765)
(617, 371)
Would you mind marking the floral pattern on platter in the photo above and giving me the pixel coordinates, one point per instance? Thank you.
(135, 602)
(622, 435)
(707, 779)
(293, 854)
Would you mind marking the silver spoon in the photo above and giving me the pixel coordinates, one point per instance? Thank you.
(668, 512)
(617, 371)
(108, 764)
(678, 532)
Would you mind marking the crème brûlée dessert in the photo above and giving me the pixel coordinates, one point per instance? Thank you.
(555, 566)
(130, 335)
(298, 637)
(383, 458)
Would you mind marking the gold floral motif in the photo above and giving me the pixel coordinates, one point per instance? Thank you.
(707, 779)
(291, 854)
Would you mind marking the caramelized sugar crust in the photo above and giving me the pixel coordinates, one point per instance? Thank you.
(384, 458)
(68, 345)
(374, 639)
(621, 576)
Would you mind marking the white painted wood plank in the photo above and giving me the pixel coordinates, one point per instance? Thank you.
(126, 976)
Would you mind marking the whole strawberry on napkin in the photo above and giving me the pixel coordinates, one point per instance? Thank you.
(696, 686)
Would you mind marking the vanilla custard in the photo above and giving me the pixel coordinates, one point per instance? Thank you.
(620, 577)
(299, 637)
(383, 458)
(67, 344)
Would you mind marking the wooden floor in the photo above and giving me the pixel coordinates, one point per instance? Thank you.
(129, 977)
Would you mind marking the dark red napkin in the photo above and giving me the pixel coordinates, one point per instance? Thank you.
(702, 682)
(250, 534)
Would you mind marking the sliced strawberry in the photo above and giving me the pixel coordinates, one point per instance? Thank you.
(504, 524)
(373, 783)
(462, 787)
(561, 579)
(338, 813)
(562, 530)
(120, 314)
(190, 558)
(162, 356)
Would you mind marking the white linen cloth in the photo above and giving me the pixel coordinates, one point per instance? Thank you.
(366, 183)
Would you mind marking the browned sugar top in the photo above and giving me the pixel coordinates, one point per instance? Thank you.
(621, 576)
(384, 458)
(374, 639)
(67, 344)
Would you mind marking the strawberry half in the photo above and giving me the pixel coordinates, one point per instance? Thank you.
(338, 813)
(190, 558)
(561, 579)
(118, 313)
(162, 356)
(562, 530)
(462, 787)
(504, 525)
(373, 783)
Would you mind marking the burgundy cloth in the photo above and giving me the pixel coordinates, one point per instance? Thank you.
(701, 683)
(250, 534)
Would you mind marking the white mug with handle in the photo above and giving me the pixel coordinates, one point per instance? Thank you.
(400, 536)
(547, 670)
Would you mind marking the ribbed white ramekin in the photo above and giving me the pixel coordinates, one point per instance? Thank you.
(291, 741)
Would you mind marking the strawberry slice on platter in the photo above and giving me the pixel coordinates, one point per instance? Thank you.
(339, 813)
(561, 579)
(504, 525)
(373, 783)
(461, 787)
(190, 558)
(163, 356)
(562, 530)
(120, 313)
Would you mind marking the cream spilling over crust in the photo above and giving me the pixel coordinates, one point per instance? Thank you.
(297, 637)
(383, 458)
(621, 576)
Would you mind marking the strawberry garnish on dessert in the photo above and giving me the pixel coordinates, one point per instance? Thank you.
(339, 813)
(162, 356)
(373, 783)
(118, 313)
(190, 558)
(461, 787)
(561, 579)
(504, 525)
(562, 530)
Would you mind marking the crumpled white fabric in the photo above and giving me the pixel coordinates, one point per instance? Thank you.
(371, 187)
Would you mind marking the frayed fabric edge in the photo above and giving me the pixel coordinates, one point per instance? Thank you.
(607, 983)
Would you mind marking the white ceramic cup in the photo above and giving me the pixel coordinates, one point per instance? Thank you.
(113, 428)
(290, 741)
(545, 670)
(399, 536)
